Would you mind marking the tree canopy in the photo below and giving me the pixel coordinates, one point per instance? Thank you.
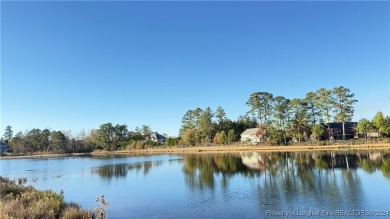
(280, 121)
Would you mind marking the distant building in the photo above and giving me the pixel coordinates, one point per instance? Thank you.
(3, 148)
(373, 135)
(249, 136)
(336, 130)
(154, 136)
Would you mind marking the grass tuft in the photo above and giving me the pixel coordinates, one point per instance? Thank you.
(18, 201)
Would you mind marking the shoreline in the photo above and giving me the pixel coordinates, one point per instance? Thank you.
(237, 149)
(5, 157)
(214, 149)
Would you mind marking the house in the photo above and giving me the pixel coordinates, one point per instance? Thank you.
(3, 148)
(373, 135)
(254, 160)
(250, 136)
(154, 136)
(335, 131)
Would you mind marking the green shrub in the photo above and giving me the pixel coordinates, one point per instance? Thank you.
(170, 142)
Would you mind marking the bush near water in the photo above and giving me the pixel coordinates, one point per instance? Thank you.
(19, 201)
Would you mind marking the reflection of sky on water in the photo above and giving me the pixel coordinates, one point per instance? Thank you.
(231, 185)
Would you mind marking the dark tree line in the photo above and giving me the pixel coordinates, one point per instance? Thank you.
(107, 137)
(45, 140)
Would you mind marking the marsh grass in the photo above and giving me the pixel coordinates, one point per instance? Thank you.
(100, 210)
(18, 201)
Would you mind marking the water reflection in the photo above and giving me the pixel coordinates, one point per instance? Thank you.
(200, 170)
(287, 180)
(121, 170)
(309, 169)
(240, 185)
(301, 163)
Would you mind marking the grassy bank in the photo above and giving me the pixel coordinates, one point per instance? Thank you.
(305, 147)
(240, 148)
(19, 201)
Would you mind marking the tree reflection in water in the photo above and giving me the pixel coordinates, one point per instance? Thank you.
(121, 170)
(287, 176)
(200, 170)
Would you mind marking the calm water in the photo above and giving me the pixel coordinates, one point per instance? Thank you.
(243, 185)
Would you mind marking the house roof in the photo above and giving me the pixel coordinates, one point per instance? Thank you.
(155, 135)
(251, 131)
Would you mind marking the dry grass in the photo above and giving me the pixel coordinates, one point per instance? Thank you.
(348, 145)
(73, 211)
(19, 201)
(241, 148)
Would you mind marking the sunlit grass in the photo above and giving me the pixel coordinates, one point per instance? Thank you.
(19, 201)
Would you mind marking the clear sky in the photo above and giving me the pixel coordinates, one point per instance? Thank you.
(74, 65)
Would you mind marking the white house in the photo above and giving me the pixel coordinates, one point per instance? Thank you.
(154, 136)
(249, 136)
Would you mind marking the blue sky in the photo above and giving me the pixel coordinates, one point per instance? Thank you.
(75, 65)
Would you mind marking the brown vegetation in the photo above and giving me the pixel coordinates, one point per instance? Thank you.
(360, 144)
(241, 148)
(18, 201)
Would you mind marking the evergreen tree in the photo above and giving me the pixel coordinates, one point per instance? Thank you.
(222, 138)
(105, 136)
(190, 120)
(317, 131)
(281, 113)
(314, 112)
(146, 130)
(8, 133)
(216, 138)
(189, 137)
(325, 104)
(220, 114)
(231, 138)
(363, 127)
(58, 140)
(299, 118)
(205, 125)
(343, 105)
(261, 103)
(380, 124)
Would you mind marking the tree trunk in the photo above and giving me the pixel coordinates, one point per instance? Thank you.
(327, 116)
(343, 131)
(299, 139)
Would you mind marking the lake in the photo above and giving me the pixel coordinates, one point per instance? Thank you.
(237, 185)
